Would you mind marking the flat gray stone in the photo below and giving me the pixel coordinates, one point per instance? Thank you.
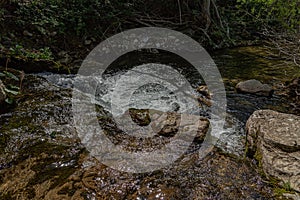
(254, 87)
(275, 139)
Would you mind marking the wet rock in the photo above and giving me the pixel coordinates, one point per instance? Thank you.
(140, 116)
(173, 122)
(294, 88)
(34, 159)
(42, 159)
(124, 131)
(215, 177)
(203, 89)
(205, 96)
(167, 124)
(275, 139)
(293, 93)
(204, 101)
(2, 92)
(254, 87)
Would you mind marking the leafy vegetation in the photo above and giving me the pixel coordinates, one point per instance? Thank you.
(73, 17)
(41, 54)
(54, 26)
(277, 13)
(12, 84)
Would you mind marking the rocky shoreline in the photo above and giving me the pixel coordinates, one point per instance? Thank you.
(41, 158)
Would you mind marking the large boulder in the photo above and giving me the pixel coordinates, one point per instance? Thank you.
(2, 93)
(254, 87)
(275, 139)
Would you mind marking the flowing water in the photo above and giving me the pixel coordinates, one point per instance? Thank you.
(42, 158)
(132, 89)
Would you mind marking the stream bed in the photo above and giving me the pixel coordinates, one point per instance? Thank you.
(41, 156)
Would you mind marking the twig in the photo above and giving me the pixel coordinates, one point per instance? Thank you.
(206, 34)
(217, 13)
(22, 76)
(6, 64)
(143, 23)
(207, 13)
(164, 22)
(179, 8)
(288, 46)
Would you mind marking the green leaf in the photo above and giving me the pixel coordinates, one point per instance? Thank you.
(9, 100)
(11, 75)
(11, 91)
(2, 75)
(13, 87)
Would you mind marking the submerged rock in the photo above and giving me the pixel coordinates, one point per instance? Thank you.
(275, 139)
(38, 145)
(254, 87)
(41, 157)
(157, 128)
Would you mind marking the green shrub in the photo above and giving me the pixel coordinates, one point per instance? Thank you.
(75, 16)
(41, 54)
(281, 14)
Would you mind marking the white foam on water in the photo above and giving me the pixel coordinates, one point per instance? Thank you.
(165, 95)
